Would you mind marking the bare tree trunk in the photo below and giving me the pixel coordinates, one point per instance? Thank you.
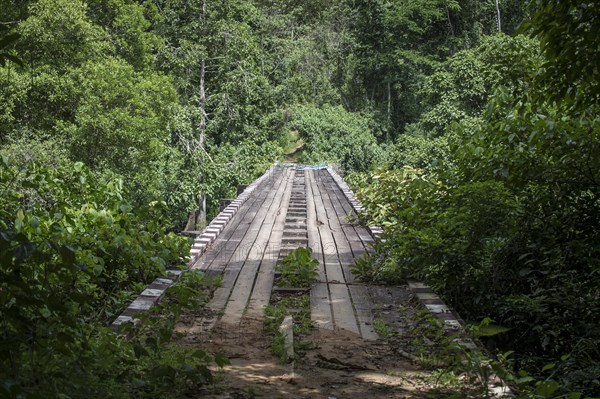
(202, 106)
(498, 15)
(450, 22)
(202, 93)
(201, 219)
(389, 101)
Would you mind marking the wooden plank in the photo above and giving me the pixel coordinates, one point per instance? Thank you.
(243, 288)
(343, 249)
(224, 242)
(320, 306)
(314, 236)
(358, 246)
(341, 302)
(320, 303)
(343, 312)
(261, 293)
(364, 311)
(250, 256)
(344, 203)
(333, 268)
(242, 234)
(361, 232)
(244, 240)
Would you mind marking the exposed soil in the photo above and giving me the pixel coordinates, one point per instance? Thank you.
(334, 363)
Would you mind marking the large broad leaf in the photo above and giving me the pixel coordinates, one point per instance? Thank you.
(24, 251)
(491, 330)
(139, 350)
(163, 371)
(547, 388)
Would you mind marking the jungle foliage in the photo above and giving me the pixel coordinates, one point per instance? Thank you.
(73, 252)
(503, 222)
(116, 114)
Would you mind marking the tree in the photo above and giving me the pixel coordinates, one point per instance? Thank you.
(61, 34)
(460, 87)
(567, 32)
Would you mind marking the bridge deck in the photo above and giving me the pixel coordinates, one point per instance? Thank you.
(289, 209)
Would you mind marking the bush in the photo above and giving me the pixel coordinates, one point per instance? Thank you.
(335, 135)
(72, 252)
(298, 269)
(418, 152)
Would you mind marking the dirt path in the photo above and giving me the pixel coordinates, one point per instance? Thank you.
(335, 363)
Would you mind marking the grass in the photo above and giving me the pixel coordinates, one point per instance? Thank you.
(298, 307)
(382, 328)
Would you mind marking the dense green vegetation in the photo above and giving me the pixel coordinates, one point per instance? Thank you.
(481, 119)
(502, 218)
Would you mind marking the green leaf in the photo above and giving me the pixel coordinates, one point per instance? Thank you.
(45, 312)
(199, 354)
(549, 366)
(163, 371)
(34, 222)
(221, 360)
(524, 380)
(24, 251)
(78, 167)
(490, 330)
(547, 388)
(19, 225)
(139, 350)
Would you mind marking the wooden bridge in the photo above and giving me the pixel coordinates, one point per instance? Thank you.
(293, 206)
(290, 207)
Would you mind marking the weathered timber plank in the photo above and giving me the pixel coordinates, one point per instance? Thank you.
(341, 302)
(364, 311)
(343, 312)
(314, 237)
(343, 249)
(243, 288)
(242, 234)
(320, 306)
(225, 244)
(362, 232)
(343, 209)
(320, 303)
(333, 267)
(232, 264)
(261, 293)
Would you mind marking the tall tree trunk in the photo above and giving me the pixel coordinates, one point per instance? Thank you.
(498, 15)
(389, 101)
(202, 89)
(450, 21)
(202, 106)
(452, 33)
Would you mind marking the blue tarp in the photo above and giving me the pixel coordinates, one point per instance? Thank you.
(299, 166)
